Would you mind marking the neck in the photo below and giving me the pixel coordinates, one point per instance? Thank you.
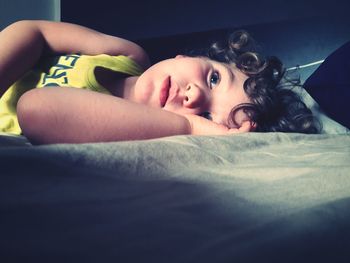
(119, 84)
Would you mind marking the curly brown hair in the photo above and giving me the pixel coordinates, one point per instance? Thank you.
(275, 106)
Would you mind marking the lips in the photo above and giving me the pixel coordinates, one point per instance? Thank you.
(173, 92)
(164, 91)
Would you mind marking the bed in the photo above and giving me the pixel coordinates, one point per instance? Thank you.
(254, 197)
(248, 197)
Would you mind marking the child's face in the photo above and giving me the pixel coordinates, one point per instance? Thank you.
(187, 85)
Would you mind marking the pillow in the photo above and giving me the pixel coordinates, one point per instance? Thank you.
(329, 126)
(329, 85)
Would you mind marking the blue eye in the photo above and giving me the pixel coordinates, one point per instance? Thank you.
(214, 79)
(206, 115)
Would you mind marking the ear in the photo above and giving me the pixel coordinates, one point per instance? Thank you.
(180, 56)
(247, 126)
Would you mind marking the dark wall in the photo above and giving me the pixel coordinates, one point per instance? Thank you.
(135, 19)
(299, 31)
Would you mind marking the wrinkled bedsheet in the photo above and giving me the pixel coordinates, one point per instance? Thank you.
(272, 197)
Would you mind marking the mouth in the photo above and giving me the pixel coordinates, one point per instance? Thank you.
(164, 91)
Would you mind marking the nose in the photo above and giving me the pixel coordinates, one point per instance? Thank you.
(194, 96)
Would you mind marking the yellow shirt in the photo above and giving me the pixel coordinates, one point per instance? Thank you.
(75, 71)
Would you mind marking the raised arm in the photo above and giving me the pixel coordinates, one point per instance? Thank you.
(24, 42)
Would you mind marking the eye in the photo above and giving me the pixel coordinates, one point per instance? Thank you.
(206, 115)
(214, 79)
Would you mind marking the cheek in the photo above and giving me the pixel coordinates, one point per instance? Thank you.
(143, 89)
(223, 105)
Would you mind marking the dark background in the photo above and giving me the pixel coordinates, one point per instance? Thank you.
(298, 32)
(136, 19)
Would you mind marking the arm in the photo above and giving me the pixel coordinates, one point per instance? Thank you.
(24, 42)
(55, 115)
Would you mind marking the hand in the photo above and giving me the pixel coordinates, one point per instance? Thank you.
(202, 126)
